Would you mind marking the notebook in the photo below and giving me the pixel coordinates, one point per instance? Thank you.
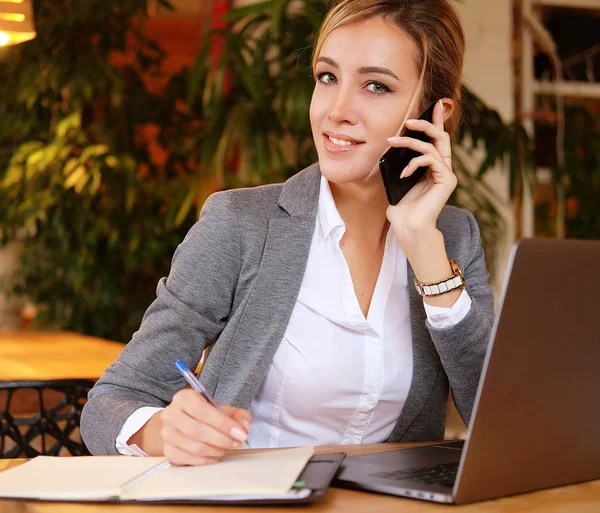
(284, 475)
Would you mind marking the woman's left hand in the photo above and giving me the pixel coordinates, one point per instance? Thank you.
(418, 211)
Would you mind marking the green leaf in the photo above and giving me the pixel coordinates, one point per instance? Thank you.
(70, 166)
(214, 87)
(95, 182)
(250, 24)
(130, 198)
(78, 176)
(111, 161)
(71, 121)
(241, 12)
(35, 157)
(50, 155)
(314, 17)
(134, 243)
(65, 151)
(96, 150)
(13, 175)
(248, 79)
(199, 70)
(78, 187)
(25, 150)
(185, 207)
(277, 11)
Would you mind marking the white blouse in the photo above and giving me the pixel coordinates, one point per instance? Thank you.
(337, 377)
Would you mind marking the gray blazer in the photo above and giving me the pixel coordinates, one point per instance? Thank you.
(233, 284)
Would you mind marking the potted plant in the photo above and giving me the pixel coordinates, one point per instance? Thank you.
(79, 184)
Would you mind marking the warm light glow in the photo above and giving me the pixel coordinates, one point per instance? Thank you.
(14, 38)
(16, 22)
(11, 16)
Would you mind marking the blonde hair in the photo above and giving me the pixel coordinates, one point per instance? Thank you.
(434, 27)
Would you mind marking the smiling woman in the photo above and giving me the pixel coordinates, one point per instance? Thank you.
(347, 90)
(304, 290)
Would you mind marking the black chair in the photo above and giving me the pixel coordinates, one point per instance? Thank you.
(42, 418)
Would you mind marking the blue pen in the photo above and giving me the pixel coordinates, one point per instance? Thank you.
(198, 387)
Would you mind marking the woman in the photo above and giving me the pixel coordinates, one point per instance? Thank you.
(304, 289)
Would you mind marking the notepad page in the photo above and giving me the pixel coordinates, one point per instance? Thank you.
(239, 473)
(73, 478)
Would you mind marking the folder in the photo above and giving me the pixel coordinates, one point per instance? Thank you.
(267, 477)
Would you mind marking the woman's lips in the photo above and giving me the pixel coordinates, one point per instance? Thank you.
(336, 148)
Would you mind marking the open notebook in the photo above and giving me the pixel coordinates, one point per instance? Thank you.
(242, 476)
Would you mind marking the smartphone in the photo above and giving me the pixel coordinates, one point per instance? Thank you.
(395, 160)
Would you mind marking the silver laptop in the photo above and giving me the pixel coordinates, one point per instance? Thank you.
(536, 418)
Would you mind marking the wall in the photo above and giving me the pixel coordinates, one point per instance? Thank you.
(488, 72)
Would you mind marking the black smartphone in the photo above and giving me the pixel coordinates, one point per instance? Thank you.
(395, 160)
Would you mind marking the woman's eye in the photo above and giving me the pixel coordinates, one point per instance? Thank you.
(326, 77)
(378, 88)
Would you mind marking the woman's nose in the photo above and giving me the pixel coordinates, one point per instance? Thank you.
(342, 109)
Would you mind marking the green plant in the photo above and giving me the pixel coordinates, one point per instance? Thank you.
(78, 184)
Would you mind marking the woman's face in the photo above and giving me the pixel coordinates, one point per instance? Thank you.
(365, 78)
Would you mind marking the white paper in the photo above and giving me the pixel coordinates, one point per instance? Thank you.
(73, 478)
(241, 473)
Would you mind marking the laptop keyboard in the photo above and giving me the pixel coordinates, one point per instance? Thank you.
(442, 475)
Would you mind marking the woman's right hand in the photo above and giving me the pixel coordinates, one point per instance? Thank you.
(194, 432)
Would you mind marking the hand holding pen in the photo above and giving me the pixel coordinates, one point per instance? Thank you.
(194, 382)
(198, 431)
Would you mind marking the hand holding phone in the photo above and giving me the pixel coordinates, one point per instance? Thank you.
(396, 159)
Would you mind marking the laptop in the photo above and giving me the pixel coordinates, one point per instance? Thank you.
(536, 417)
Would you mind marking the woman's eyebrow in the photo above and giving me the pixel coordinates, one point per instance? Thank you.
(364, 70)
(376, 69)
(329, 61)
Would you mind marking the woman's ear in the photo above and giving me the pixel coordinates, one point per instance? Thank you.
(448, 108)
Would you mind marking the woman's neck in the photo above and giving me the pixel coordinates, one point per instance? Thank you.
(363, 207)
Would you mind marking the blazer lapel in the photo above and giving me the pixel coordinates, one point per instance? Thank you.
(426, 363)
(274, 292)
(273, 296)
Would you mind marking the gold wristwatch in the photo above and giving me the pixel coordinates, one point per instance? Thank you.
(435, 289)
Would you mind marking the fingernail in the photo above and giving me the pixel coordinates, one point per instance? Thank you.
(246, 425)
(403, 172)
(394, 139)
(238, 434)
(411, 121)
(441, 105)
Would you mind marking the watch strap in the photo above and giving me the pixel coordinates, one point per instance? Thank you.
(457, 281)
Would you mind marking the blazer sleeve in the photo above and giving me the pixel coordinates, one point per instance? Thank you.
(191, 309)
(462, 347)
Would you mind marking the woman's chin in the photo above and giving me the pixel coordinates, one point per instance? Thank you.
(341, 174)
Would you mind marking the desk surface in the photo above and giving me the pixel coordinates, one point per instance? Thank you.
(55, 355)
(580, 498)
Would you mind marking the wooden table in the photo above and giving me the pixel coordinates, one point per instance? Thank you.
(580, 498)
(33, 356)
(44, 380)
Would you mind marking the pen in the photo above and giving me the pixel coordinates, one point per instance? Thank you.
(194, 382)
